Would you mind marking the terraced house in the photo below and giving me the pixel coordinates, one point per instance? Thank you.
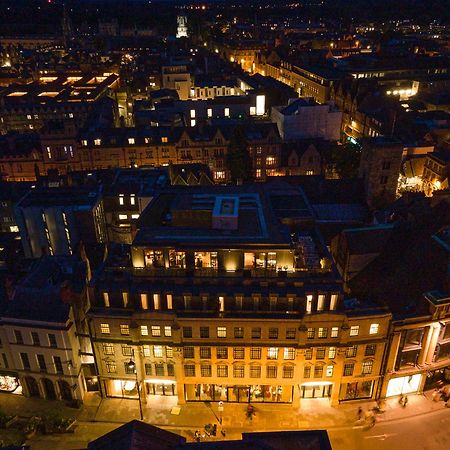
(229, 294)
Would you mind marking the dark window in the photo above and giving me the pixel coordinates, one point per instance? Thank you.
(35, 338)
(58, 364)
(370, 350)
(127, 350)
(308, 353)
(348, 369)
(222, 371)
(148, 369)
(273, 333)
(255, 353)
(383, 179)
(318, 371)
(256, 333)
(188, 352)
(5, 360)
(41, 362)
(205, 352)
(205, 370)
(187, 332)
(159, 369)
(351, 351)
(320, 353)
(170, 370)
(18, 336)
(25, 360)
(238, 332)
(128, 369)
(52, 340)
(290, 333)
(386, 165)
(204, 332)
(288, 372)
(238, 352)
(222, 352)
(271, 371)
(307, 372)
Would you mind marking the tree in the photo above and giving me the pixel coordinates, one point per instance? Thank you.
(238, 159)
(346, 159)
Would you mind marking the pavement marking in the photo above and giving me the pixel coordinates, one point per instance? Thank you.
(381, 436)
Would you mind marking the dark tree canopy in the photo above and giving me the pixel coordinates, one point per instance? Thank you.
(238, 158)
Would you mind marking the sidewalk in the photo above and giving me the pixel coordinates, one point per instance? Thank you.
(312, 414)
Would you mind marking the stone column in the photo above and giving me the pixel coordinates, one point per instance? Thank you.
(433, 341)
(425, 345)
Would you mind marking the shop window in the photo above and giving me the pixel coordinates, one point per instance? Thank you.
(206, 259)
(272, 260)
(188, 352)
(238, 353)
(288, 372)
(222, 352)
(154, 258)
(177, 259)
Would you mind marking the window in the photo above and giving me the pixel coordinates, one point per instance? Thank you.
(205, 352)
(367, 367)
(58, 364)
(187, 299)
(221, 332)
(148, 369)
(125, 330)
(144, 301)
(35, 338)
(255, 353)
(331, 352)
(290, 333)
(209, 112)
(156, 302)
(351, 351)
(288, 372)
(169, 352)
(238, 300)
(158, 351)
(84, 142)
(156, 330)
(273, 333)
(272, 353)
(309, 299)
(255, 371)
(330, 370)
(144, 330)
(373, 328)
(308, 353)
(131, 141)
(238, 332)
(146, 350)
(121, 199)
(334, 332)
(159, 369)
(271, 371)
(128, 369)
(222, 371)
(167, 331)
(106, 299)
(104, 328)
(97, 142)
(41, 362)
(238, 352)
(322, 333)
(170, 370)
(354, 330)
(272, 303)
(348, 369)
(256, 333)
(123, 216)
(205, 370)
(108, 349)
(187, 332)
(320, 353)
(333, 302)
(226, 112)
(52, 340)
(310, 333)
(370, 350)
(289, 353)
(188, 352)
(307, 372)
(222, 352)
(320, 302)
(111, 367)
(318, 371)
(125, 299)
(204, 332)
(169, 301)
(383, 180)
(238, 371)
(258, 173)
(164, 139)
(127, 350)
(18, 336)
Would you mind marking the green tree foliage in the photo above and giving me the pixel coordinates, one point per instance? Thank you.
(238, 159)
(346, 159)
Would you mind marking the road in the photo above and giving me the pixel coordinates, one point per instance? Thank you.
(427, 432)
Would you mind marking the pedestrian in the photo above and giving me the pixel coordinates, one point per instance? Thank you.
(405, 401)
(372, 420)
(360, 413)
(197, 435)
(436, 395)
(214, 429)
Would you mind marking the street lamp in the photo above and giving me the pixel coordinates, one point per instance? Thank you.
(132, 366)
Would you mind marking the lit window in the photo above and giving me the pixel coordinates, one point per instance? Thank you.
(84, 143)
(123, 217)
(270, 161)
(167, 331)
(209, 112)
(156, 330)
(329, 371)
(104, 328)
(106, 299)
(164, 139)
(156, 301)
(289, 353)
(49, 153)
(158, 351)
(220, 175)
(121, 199)
(131, 141)
(135, 216)
(70, 115)
(29, 116)
(258, 173)
(320, 302)
(221, 332)
(221, 304)
(125, 330)
(334, 332)
(144, 330)
(333, 302)
(309, 299)
(331, 352)
(322, 332)
(132, 199)
(192, 113)
(354, 330)
(351, 352)
(125, 299)
(272, 353)
(97, 142)
(253, 110)
(367, 367)
(374, 328)
(108, 349)
(193, 122)
(146, 350)
(144, 301)
(271, 371)
(226, 112)
(169, 301)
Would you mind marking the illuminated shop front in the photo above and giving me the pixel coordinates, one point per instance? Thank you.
(356, 390)
(10, 383)
(257, 393)
(313, 389)
(128, 388)
(404, 385)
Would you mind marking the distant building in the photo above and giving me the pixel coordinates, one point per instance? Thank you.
(182, 29)
(304, 118)
(379, 167)
(178, 78)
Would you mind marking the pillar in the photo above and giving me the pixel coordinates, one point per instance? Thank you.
(425, 346)
(180, 393)
(433, 341)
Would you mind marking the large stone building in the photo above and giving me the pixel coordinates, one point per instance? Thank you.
(216, 300)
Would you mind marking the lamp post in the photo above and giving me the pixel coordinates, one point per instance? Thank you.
(132, 366)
